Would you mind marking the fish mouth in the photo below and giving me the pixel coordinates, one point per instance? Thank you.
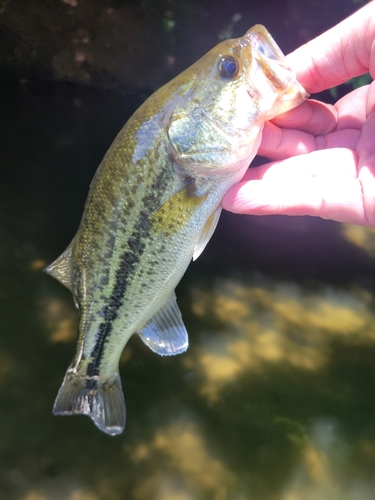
(281, 79)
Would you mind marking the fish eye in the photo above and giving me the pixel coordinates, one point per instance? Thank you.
(228, 67)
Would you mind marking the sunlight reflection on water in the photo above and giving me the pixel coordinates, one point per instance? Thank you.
(274, 323)
(252, 332)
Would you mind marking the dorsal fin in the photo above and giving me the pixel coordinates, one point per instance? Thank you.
(206, 233)
(165, 333)
(61, 268)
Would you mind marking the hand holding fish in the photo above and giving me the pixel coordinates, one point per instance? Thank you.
(325, 155)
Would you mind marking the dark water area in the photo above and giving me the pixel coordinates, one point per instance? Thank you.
(274, 400)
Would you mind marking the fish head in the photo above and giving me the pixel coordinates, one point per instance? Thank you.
(233, 90)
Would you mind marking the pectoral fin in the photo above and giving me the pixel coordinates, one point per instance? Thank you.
(177, 210)
(206, 233)
(61, 268)
(166, 334)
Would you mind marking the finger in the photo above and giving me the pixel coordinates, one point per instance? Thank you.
(366, 167)
(312, 198)
(278, 143)
(319, 120)
(314, 117)
(338, 162)
(330, 193)
(370, 104)
(351, 109)
(340, 53)
(366, 143)
(372, 58)
(347, 138)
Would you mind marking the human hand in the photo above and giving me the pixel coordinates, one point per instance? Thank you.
(325, 154)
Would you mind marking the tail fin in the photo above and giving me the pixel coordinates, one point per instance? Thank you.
(100, 399)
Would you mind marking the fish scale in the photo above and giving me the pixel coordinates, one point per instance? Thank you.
(133, 228)
(153, 206)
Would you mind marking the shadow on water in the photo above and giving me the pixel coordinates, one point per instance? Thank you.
(274, 398)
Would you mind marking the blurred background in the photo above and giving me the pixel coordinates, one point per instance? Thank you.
(274, 400)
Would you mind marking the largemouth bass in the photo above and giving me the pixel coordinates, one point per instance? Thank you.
(152, 207)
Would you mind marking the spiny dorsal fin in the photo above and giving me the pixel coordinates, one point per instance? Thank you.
(166, 334)
(206, 233)
(61, 268)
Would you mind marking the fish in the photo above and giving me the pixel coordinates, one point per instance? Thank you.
(154, 204)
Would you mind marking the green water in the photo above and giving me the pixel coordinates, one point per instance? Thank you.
(274, 400)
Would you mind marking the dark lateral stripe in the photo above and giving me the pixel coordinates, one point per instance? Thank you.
(127, 265)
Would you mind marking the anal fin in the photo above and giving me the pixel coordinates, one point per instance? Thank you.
(61, 268)
(100, 399)
(165, 333)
